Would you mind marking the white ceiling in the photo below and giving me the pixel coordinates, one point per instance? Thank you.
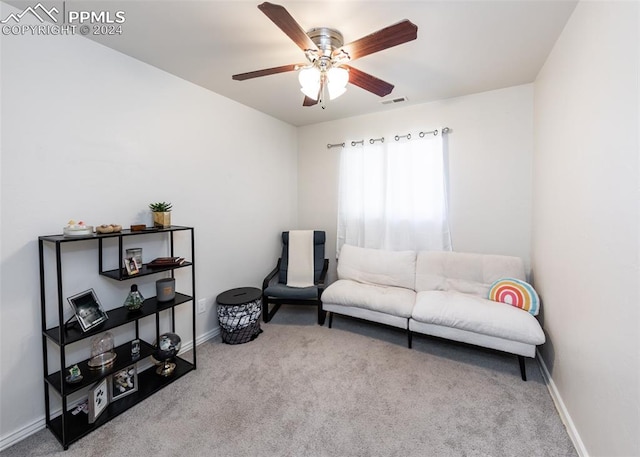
(463, 47)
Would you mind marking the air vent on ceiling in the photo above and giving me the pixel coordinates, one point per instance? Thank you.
(394, 100)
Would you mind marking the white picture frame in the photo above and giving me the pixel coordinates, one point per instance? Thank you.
(123, 382)
(131, 265)
(98, 399)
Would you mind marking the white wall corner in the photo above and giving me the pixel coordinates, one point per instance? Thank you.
(562, 409)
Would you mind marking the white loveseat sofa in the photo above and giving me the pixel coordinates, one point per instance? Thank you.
(439, 293)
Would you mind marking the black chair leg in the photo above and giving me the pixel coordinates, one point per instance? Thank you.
(523, 370)
(330, 319)
(265, 310)
(275, 309)
(322, 314)
(268, 315)
(409, 338)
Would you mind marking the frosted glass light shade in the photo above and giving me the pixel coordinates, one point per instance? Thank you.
(309, 79)
(336, 92)
(337, 82)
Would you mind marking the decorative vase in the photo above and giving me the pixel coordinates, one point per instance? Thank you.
(162, 219)
(134, 300)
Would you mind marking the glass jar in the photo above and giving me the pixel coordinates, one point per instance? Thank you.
(102, 353)
(134, 300)
(165, 289)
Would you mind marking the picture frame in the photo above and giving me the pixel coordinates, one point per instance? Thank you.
(87, 309)
(131, 265)
(123, 382)
(98, 399)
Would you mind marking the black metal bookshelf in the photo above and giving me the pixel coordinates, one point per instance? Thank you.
(68, 427)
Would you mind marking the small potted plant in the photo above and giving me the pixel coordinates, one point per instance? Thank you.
(161, 214)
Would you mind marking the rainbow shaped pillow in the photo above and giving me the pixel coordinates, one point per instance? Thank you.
(515, 292)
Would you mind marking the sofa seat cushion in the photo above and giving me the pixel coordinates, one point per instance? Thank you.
(479, 315)
(396, 301)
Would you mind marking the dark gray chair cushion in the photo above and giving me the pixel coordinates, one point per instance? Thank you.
(283, 291)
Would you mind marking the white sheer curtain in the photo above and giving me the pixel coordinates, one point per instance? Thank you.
(392, 195)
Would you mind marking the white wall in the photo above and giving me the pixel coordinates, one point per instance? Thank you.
(585, 224)
(489, 149)
(88, 133)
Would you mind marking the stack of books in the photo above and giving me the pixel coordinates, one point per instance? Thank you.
(163, 262)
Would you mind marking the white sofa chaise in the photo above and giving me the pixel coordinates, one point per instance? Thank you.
(437, 293)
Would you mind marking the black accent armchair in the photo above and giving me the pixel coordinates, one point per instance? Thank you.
(274, 287)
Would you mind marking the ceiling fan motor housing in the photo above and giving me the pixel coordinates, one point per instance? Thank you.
(326, 39)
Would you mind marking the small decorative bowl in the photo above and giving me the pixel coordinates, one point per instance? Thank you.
(108, 228)
(78, 231)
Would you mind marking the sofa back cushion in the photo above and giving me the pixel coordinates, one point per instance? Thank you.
(464, 272)
(376, 266)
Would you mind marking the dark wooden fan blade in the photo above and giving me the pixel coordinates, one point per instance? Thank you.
(281, 17)
(368, 82)
(382, 39)
(308, 101)
(266, 72)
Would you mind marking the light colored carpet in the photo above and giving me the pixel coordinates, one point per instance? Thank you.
(354, 390)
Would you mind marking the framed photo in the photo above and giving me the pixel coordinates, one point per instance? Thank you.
(87, 309)
(98, 399)
(131, 265)
(123, 383)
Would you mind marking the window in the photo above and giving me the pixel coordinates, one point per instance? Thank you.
(393, 195)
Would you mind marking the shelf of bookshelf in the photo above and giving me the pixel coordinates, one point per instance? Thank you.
(91, 375)
(116, 318)
(120, 274)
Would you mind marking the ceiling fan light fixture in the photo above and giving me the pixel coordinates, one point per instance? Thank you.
(337, 79)
(309, 79)
(336, 92)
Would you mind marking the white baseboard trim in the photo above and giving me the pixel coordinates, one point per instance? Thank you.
(211, 334)
(39, 424)
(562, 409)
(17, 436)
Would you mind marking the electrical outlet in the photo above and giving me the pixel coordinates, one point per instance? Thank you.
(202, 305)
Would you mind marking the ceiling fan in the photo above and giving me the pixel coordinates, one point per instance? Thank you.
(326, 72)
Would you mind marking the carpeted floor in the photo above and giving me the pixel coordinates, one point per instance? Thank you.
(353, 390)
